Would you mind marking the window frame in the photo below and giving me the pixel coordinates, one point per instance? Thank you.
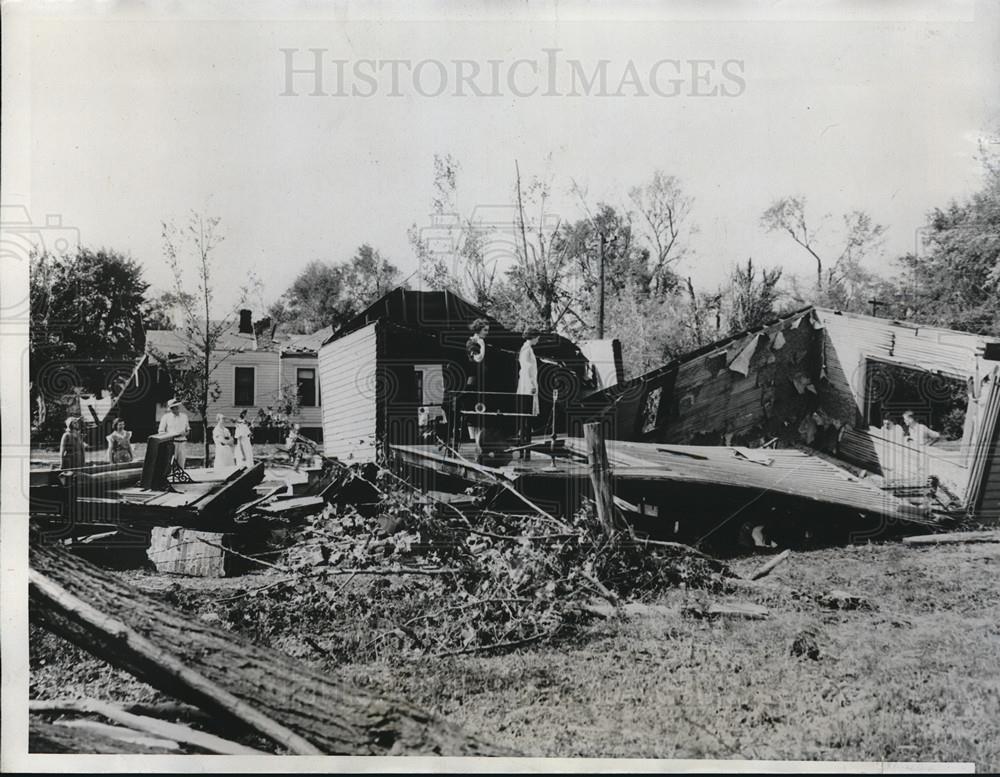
(236, 385)
(315, 386)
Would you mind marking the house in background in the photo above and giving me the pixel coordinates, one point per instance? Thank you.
(255, 366)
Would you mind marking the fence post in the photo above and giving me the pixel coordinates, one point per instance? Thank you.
(600, 475)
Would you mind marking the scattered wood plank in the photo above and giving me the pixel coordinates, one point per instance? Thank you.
(179, 551)
(953, 538)
(234, 490)
(294, 505)
(765, 569)
(303, 710)
(743, 610)
(158, 728)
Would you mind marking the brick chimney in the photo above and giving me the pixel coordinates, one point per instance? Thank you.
(246, 322)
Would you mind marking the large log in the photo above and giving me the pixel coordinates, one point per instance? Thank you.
(225, 674)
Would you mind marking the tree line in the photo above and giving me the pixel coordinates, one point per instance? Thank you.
(611, 271)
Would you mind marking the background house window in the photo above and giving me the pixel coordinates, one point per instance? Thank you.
(306, 379)
(244, 394)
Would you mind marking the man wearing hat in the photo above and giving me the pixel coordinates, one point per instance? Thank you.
(175, 423)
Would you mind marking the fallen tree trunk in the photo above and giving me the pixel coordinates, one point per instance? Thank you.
(226, 675)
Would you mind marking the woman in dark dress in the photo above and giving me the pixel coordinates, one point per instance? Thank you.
(72, 448)
(475, 351)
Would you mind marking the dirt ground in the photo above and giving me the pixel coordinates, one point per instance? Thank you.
(914, 678)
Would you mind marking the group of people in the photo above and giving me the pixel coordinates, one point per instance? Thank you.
(233, 449)
(527, 384)
(912, 430)
(73, 448)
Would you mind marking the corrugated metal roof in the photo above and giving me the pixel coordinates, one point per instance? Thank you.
(790, 471)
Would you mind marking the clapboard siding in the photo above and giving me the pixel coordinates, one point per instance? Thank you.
(347, 379)
(849, 341)
(265, 364)
(311, 417)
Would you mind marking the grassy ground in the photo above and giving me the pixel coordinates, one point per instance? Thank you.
(915, 678)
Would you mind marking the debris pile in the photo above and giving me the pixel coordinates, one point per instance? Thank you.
(431, 579)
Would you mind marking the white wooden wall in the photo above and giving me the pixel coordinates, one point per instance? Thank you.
(307, 416)
(347, 379)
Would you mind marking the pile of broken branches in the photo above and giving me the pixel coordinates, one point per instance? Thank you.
(430, 579)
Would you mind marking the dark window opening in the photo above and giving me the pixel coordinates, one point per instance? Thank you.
(419, 382)
(306, 379)
(244, 387)
(936, 400)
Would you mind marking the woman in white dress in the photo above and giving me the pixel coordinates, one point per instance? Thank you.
(225, 457)
(527, 383)
(244, 448)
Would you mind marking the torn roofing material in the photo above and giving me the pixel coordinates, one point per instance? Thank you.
(786, 471)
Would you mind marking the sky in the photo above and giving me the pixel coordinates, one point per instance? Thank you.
(120, 117)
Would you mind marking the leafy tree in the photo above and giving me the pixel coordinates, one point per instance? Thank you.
(161, 311)
(955, 281)
(366, 278)
(752, 297)
(607, 260)
(328, 294)
(85, 306)
(85, 312)
(314, 300)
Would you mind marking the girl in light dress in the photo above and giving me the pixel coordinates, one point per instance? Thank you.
(244, 448)
(527, 383)
(225, 445)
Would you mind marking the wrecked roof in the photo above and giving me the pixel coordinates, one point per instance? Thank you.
(443, 311)
(306, 345)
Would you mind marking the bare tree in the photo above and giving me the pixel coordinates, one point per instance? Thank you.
(452, 249)
(664, 212)
(788, 214)
(193, 370)
(862, 236)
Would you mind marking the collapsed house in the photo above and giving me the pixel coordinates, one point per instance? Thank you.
(824, 390)
(837, 383)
